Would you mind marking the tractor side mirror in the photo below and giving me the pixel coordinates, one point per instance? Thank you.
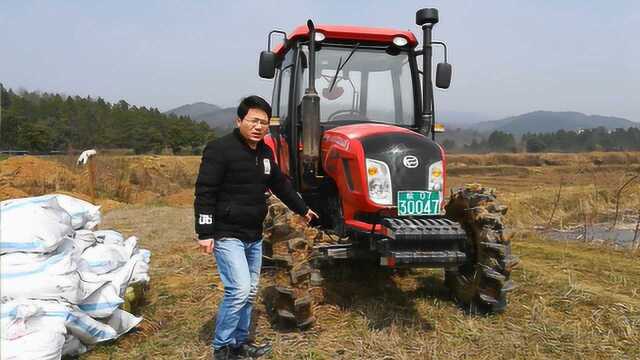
(443, 75)
(333, 94)
(267, 65)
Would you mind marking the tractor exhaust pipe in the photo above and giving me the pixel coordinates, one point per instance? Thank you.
(426, 18)
(311, 118)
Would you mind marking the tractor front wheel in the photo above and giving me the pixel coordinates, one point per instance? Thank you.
(481, 284)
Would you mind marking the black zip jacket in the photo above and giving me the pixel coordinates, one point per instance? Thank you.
(231, 189)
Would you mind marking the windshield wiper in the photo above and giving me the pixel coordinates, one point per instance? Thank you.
(341, 65)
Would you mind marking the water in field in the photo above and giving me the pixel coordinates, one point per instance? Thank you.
(621, 236)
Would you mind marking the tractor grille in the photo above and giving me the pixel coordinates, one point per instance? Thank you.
(432, 242)
(423, 234)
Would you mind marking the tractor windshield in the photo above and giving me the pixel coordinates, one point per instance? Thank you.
(356, 83)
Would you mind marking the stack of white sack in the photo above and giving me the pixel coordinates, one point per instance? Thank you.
(61, 284)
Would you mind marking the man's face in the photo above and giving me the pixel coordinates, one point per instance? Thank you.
(254, 126)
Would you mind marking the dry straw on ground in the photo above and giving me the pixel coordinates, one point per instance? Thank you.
(572, 301)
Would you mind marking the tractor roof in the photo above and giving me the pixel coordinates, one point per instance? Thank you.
(355, 33)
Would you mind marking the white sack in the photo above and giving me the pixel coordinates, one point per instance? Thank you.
(144, 254)
(38, 345)
(84, 215)
(37, 227)
(103, 302)
(81, 325)
(45, 276)
(28, 334)
(21, 318)
(83, 239)
(104, 258)
(122, 321)
(109, 237)
(134, 271)
(73, 346)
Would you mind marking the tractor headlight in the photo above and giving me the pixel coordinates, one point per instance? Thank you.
(379, 181)
(400, 41)
(436, 176)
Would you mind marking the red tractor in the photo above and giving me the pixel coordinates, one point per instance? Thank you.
(362, 153)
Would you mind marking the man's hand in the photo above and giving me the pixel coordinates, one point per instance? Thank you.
(206, 246)
(310, 215)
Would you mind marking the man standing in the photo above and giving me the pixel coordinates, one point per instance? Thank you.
(230, 206)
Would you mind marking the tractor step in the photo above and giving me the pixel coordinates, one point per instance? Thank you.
(334, 251)
(436, 259)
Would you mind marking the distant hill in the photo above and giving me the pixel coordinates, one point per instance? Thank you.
(552, 121)
(223, 118)
(194, 109)
(460, 119)
(215, 116)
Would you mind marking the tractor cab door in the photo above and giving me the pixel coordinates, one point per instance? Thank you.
(281, 108)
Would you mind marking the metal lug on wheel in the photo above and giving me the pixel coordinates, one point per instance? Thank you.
(286, 315)
(490, 273)
(508, 286)
(297, 244)
(316, 278)
(284, 291)
(307, 322)
(511, 262)
(298, 272)
(488, 299)
(302, 303)
(286, 260)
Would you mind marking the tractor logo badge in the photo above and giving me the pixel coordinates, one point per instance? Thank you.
(410, 161)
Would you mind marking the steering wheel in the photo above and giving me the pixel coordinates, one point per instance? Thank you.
(350, 111)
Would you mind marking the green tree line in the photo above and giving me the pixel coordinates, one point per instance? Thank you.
(497, 141)
(596, 139)
(42, 122)
(584, 140)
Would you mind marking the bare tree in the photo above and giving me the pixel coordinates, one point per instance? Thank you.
(636, 239)
(619, 192)
(555, 203)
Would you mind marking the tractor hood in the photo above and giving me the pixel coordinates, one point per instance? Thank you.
(407, 153)
(391, 144)
(360, 131)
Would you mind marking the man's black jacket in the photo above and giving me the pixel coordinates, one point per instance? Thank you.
(231, 189)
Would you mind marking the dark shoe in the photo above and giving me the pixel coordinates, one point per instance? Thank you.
(252, 351)
(225, 353)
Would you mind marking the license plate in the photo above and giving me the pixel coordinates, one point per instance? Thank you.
(415, 203)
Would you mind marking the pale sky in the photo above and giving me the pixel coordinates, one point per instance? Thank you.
(509, 57)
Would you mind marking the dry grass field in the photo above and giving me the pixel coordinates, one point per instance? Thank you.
(574, 300)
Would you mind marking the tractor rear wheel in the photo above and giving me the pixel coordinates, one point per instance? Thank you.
(295, 284)
(481, 284)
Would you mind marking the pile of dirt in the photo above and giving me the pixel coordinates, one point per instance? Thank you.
(156, 172)
(9, 192)
(29, 175)
(145, 179)
(119, 179)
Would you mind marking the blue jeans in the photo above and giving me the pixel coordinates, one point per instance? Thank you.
(239, 265)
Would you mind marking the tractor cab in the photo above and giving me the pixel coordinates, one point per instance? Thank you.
(359, 83)
(351, 122)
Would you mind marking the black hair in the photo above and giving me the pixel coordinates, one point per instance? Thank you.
(253, 102)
